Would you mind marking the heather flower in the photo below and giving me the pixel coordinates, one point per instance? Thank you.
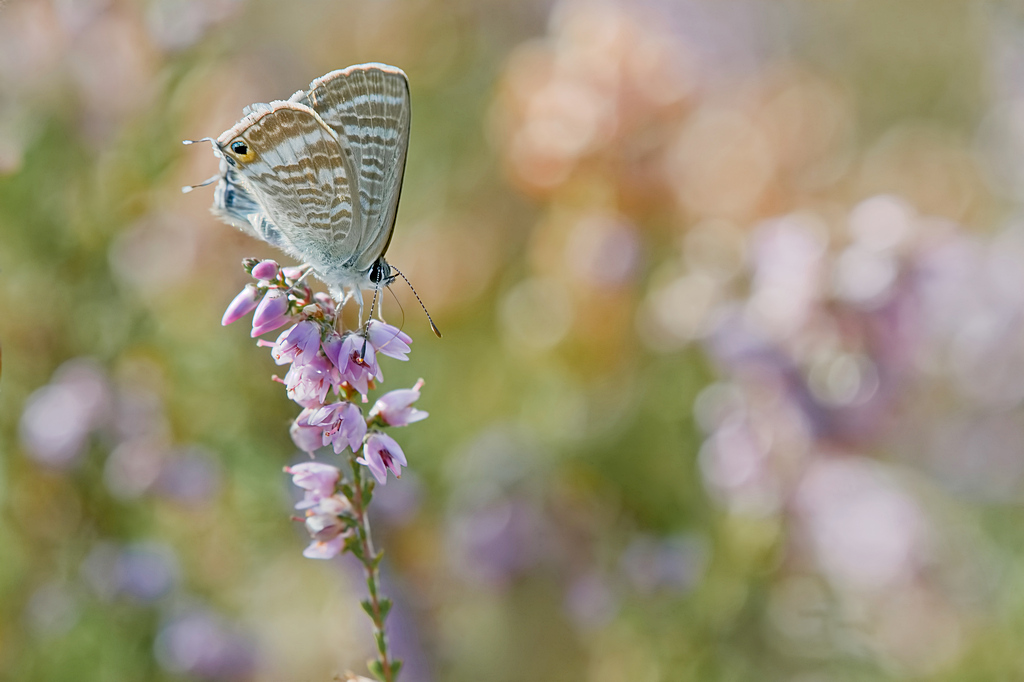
(354, 367)
(317, 479)
(243, 304)
(308, 383)
(307, 437)
(271, 313)
(266, 269)
(381, 453)
(388, 340)
(293, 273)
(298, 343)
(319, 549)
(327, 528)
(395, 407)
(343, 425)
(326, 303)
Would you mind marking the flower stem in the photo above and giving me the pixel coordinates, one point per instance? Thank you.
(376, 606)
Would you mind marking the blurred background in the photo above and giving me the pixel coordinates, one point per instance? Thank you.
(732, 382)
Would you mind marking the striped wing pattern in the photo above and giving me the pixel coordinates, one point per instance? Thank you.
(299, 172)
(233, 204)
(368, 105)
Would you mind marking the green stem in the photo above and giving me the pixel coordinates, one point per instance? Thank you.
(370, 562)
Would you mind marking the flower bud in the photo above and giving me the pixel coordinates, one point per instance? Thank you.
(242, 305)
(271, 313)
(266, 269)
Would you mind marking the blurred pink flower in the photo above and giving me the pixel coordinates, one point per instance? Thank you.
(59, 417)
(324, 549)
(383, 453)
(271, 313)
(343, 425)
(388, 340)
(327, 528)
(395, 407)
(317, 479)
(243, 304)
(298, 343)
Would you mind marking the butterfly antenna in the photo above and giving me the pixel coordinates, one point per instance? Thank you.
(399, 304)
(208, 181)
(433, 326)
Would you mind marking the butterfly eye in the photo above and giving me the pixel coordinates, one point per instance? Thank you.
(379, 271)
(239, 148)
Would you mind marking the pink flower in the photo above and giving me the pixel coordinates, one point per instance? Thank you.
(307, 437)
(308, 383)
(319, 549)
(395, 407)
(343, 425)
(241, 305)
(298, 343)
(317, 479)
(382, 453)
(327, 528)
(271, 313)
(293, 272)
(353, 367)
(388, 340)
(266, 269)
(325, 302)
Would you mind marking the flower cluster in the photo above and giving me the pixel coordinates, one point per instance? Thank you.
(329, 375)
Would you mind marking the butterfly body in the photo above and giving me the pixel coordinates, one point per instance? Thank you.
(319, 175)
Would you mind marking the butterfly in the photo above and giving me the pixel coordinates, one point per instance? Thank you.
(319, 175)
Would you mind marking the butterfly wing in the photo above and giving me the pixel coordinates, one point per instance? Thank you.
(299, 173)
(368, 105)
(233, 204)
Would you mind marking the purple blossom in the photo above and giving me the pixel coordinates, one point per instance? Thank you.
(243, 304)
(388, 340)
(343, 425)
(308, 383)
(298, 343)
(266, 269)
(307, 437)
(271, 313)
(317, 479)
(383, 453)
(355, 368)
(395, 407)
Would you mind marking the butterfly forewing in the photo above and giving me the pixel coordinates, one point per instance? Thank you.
(299, 172)
(369, 105)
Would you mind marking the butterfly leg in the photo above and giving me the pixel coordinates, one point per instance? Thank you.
(357, 294)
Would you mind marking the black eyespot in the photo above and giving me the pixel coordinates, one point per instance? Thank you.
(239, 148)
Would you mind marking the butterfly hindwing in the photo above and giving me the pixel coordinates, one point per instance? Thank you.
(233, 204)
(369, 106)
